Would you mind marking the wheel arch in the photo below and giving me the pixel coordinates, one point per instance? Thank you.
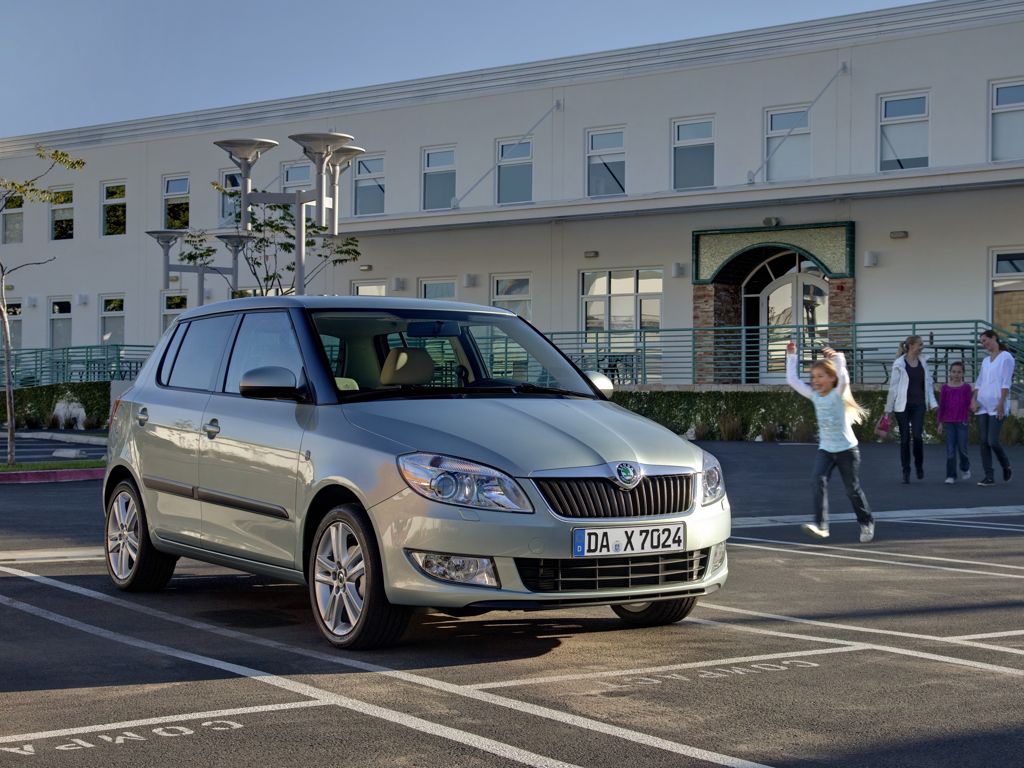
(117, 474)
(326, 499)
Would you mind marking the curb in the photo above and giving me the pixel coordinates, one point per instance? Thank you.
(66, 437)
(51, 476)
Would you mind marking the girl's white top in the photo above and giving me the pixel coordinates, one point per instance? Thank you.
(996, 375)
(835, 425)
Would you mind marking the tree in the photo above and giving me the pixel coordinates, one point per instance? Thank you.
(19, 192)
(270, 255)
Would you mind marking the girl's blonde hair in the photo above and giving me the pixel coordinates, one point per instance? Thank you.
(905, 344)
(855, 412)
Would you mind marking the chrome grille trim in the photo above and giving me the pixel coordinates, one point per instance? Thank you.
(589, 574)
(598, 497)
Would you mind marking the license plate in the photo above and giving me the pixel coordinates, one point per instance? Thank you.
(637, 540)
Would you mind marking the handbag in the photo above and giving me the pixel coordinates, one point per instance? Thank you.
(883, 426)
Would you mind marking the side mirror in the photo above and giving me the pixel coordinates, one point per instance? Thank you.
(270, 383)
(602, 382)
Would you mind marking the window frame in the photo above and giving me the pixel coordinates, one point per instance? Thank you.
(221, 382)
(590, 152)
(427, 170)
(995, 109)
(379, 177)
(217, 380)
(291, 187)
(167, 197)
(500, 163)
(425, 281)
(925, 119)
(677, 142)
(106, 203)
(51, 316)
(357, 284)
(234, 218)
(13, 318)
(172, 313)
(62, 207)
(12, 211)
(104, 314)
(993, 259)
(770, 133)
(637, 295)
(527, 297)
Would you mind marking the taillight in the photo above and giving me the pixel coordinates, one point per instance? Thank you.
(113, 409)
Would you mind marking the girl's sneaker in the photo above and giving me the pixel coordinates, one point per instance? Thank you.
(965, 475)
(814, 530)
(950, 480)
(867, 532)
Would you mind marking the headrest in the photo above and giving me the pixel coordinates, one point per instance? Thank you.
(407, 365)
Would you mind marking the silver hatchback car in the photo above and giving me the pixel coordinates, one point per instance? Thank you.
(400, 453)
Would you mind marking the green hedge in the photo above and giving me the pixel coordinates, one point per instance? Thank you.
(774, 415)
(33, 406)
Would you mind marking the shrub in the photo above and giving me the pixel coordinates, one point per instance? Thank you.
(730, 426)
(33, 406)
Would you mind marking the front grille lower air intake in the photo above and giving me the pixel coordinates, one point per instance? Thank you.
(586, 574)
(598, 497)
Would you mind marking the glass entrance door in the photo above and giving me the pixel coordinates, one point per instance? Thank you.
(794, 307)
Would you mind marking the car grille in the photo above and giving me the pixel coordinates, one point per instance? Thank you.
(590, 497)
(580, 575)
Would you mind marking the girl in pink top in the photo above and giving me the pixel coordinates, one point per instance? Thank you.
(954, 414)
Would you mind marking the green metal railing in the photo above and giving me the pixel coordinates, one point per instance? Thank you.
(102, 362)
(665, 356)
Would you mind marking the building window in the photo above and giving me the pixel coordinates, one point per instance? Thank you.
(621, 299)
(369, 288)
(438, 289)
(1008, 290)
(62, 215)
(787, 144)
(173, 305)
(515, 171)
(13, 220)
(14, 321)
(512, 292)
(176, 202)
(606, 163)
(111, 319)
(297, 177)
(230, 199)
(438, 178)
(115, 209)
(369, 191)
(1008, 121)
(60, 322)
(693, 154)
(903, 133)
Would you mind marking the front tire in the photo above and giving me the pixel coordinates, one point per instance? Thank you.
(655, 614)
(133, 563)
(346, 584)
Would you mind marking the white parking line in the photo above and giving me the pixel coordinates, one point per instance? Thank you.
(214, 715)
(985, 635)
(547, 713)
(892, 514)
(976, 526)
(883, 562)
(669, 668)
(868, 630)
(876, 552)
(55, 554)
(389, 715)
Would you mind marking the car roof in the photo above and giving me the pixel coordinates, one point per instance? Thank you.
(337, 303)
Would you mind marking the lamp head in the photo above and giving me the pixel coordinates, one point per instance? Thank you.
(235, 242)
(166, 237)
(343, 155)
(318, 146)
(245, 150)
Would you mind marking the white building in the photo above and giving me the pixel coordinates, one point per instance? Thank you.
(877, 158)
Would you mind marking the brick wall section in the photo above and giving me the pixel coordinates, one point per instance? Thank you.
(716, 354)
(841, 309)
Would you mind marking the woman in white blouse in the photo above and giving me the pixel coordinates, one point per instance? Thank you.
(991, 404)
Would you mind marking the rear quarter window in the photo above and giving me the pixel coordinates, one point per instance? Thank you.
(201, 352)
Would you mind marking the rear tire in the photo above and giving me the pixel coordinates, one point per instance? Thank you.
(655, 614)
(133, 563)
(346, 584)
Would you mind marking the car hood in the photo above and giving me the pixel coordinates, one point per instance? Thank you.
(524, 435)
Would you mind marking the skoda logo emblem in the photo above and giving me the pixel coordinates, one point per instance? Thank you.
(627, 475)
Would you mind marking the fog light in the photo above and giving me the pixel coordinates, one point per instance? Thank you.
(459, 569)
(717, 557)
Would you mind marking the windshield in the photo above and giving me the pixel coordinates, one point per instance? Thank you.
(376, 353)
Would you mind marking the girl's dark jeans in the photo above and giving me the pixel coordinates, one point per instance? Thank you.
(956, 447)
(911, 423)
(848, 463)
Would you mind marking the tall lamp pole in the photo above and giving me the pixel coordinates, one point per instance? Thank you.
(244, 153)
(235, 244)
(166, 238)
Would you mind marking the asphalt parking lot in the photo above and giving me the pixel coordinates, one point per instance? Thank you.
(908, 651)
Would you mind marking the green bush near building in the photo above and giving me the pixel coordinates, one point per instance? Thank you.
(770, 415)
(33, 406)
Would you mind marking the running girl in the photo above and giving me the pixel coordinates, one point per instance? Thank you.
(837, 412)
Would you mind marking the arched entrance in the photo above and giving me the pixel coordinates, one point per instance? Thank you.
(785, 297)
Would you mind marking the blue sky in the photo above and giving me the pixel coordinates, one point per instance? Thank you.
(71, 63)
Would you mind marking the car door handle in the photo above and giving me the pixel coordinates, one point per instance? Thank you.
(212, 428)
(142, 417)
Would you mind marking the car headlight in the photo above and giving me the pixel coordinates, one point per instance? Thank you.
(463, 483)
(712, 482)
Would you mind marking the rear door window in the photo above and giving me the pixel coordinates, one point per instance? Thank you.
(202, 352)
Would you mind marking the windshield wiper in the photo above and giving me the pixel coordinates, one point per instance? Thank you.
(536, 389)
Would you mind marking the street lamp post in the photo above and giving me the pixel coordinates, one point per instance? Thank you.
(234, 244)
(340, 159)
(244, 153)
(166, 238)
